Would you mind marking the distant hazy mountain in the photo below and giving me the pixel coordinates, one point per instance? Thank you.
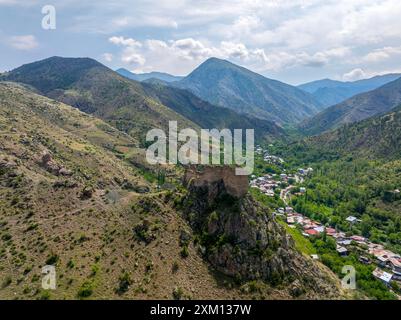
(93, 88)
(209, 116)
(355, 109)
(331, 92)
(228, 85)
(146, 76)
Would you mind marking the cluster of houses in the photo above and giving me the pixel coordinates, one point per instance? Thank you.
(388, 263)
(297, 177)
(272, 159)
(260, 150)
(386, 260)
(269, 182)
(267, 157)
(266, 184)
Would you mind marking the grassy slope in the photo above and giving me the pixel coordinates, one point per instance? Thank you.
(90, 241)
(301, 243)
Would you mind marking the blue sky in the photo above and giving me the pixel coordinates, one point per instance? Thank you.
(290, 40)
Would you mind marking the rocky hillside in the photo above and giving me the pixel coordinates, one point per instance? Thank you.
(228, 85)
(355, 109)
(71, 197)
(240, 238)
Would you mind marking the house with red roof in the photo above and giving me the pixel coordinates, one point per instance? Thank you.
(358, 239)
(395, 265)
(311, 232)
(330, 231)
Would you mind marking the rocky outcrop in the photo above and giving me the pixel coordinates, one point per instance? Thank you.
(51, 166)
(235, 185)
(240, 238)
(7, 164)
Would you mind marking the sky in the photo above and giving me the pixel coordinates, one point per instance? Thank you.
(294, 41)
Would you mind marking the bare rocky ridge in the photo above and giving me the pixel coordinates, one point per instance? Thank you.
(241, 239)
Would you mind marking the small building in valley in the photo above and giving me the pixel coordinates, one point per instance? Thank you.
(351, 219)
(342, 251)
(383, 276)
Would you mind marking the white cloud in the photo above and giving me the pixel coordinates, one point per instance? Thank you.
(129, 42)
(191, 49)
(107, 57)
(237, 50)
(382, 54)
(155, 45)
(26, 42)
(130, 54)
(17, 2)
(262, 35)
(182, 55)
(359, 74)
(124, 22)
(281, 38)
(354, 75)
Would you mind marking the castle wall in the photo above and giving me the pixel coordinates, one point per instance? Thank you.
(236, 185)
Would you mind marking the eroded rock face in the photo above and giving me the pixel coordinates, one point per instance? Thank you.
(241, 238)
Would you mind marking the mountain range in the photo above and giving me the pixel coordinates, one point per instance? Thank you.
(131, 106)
(93, 88)
(147, 76)
(356, 108)
(330, 92)
(225, 84)
(207, 115)
(376, 137)
(217, 94)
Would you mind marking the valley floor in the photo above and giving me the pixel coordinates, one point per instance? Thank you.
(384, 264)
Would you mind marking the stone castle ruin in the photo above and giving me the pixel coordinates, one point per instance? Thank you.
(206, 176)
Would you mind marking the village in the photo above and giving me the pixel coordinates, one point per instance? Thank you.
(388, 263)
